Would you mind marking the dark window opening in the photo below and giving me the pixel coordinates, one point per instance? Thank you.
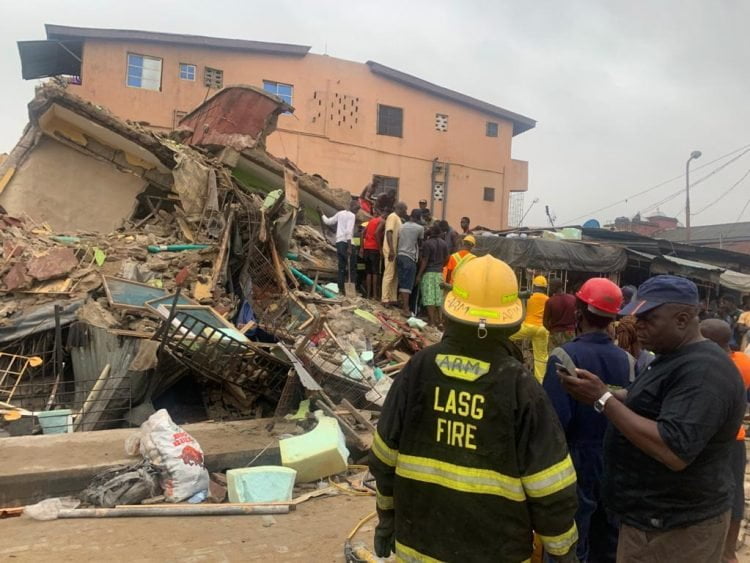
(384, 184)
(390, 121)
(492, 129)
(489, 194)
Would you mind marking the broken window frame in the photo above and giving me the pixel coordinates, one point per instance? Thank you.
(386, 183)
(492, 129)
(134, 72)
(213, 78)
(188, 71)
(489, 194)
(390, 121)
(273, 87)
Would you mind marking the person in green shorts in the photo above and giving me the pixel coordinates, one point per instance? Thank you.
(435, 254)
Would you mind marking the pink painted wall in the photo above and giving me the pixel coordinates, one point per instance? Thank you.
(333, 129)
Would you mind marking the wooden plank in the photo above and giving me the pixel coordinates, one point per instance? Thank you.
(358, 415)
(348, 430)
(223, 250)
(291, 188)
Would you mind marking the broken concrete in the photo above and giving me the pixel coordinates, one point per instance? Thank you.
(17, 278)
(57, 263)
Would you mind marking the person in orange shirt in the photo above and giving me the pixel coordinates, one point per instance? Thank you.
(721, 333)
(458, 258)
(533, 326)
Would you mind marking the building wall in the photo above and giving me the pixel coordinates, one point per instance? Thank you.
(333, 129)
(80, 183)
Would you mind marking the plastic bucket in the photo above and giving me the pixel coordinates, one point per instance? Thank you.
(56, 422)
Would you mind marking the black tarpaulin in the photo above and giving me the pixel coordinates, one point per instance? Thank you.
(553, 255)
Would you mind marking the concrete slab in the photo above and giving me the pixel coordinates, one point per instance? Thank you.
(38, 467)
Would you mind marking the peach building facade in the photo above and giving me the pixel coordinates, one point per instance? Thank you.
(351, 122)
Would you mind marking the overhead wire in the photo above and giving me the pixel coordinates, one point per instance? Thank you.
(699, 181)
(745, 148)
(724, 194)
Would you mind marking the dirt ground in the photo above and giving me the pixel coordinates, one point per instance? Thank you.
(314, 532)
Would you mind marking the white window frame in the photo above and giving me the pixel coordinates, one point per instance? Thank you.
(188, 65)
(142, 68)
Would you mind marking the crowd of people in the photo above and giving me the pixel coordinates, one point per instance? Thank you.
(406, 258)
(624, 443)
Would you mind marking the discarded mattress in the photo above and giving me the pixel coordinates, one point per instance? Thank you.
(266, 483)
(318, 453)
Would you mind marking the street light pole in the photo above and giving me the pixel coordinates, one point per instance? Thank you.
(693, 156)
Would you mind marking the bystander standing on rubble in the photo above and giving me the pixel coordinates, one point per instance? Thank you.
(595, 307)
(367, 198)
(430, 278)
(344, 222)
(721, 333)
(457, 258)
(468, 456)
(386, 200)
(409, 241)
(391, 228)
(559, 315)
(372, 243)
(667, 449)
(449, 235)
(533, 329)
(465, 226)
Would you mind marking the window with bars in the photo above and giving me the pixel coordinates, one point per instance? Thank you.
(390, 121)
(489, 194)
(441, 122)
(213, 78)
(187, 71)
(283, 91)
(492, 129)
(144, 72)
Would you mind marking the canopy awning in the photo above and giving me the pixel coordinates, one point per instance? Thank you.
(40, 59)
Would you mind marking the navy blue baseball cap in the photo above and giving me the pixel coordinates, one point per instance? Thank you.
(661, 290)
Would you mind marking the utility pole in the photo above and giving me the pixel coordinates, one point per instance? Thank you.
(693, 156)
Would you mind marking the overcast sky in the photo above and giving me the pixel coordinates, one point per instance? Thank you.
(623, 91)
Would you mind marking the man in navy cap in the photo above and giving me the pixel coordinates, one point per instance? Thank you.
(666, 453)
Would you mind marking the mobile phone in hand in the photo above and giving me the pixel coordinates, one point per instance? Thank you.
(564, 370)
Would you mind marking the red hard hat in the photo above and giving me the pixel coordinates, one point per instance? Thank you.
(603, 297)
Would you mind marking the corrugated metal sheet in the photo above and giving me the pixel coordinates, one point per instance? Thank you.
(125, 387)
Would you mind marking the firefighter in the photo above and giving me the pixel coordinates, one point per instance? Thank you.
(469, 457)
(533, 326)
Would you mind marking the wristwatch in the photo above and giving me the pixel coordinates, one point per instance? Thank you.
(601, 401)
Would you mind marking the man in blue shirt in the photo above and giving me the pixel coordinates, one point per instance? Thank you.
(597, 304)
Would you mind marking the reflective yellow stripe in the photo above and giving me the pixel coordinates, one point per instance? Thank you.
(461, 367)
(410, 555)
(383, 502)
(551, 480)
(560, 545)
(459, 477)
(382, 452)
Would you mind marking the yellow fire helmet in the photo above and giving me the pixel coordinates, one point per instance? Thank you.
(540, 281)
(484, 293)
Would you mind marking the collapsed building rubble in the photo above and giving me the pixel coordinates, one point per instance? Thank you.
(132, 261)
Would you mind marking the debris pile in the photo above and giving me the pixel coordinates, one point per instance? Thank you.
(211, 271)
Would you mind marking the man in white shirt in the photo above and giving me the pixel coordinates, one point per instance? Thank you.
(344, 222)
